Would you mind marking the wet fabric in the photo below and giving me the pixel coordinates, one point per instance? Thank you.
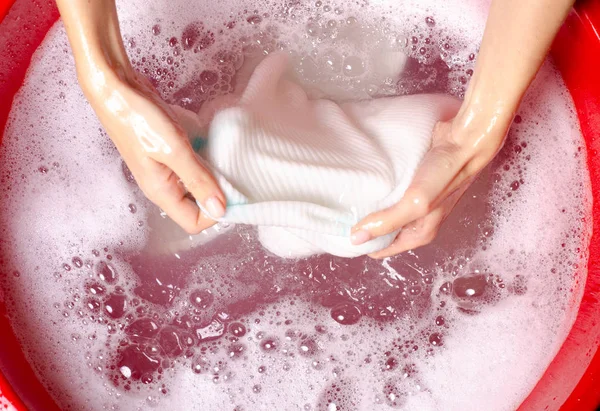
(304, 171)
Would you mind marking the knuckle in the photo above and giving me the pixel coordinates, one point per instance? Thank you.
(423, 206)
(389, 225)
(179, 146)
(195, 184)
(419, 201)
(197, 181)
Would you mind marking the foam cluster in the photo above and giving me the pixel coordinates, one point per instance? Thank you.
(5, 404)
(118, 309)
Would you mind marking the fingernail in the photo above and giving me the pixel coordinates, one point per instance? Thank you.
(360, 237)
(215, 207)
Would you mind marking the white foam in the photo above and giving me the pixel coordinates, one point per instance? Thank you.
(83, 204)
(5, 404)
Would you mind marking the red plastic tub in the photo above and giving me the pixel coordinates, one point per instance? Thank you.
(571, 382)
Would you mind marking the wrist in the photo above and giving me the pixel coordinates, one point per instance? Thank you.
(488, 109)
(481, 116)
(481, 126)
(92, 27)
(102, 63)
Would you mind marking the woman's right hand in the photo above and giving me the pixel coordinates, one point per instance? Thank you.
(516, 40)
(144, 129)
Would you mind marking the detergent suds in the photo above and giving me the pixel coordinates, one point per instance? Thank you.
(118, 309)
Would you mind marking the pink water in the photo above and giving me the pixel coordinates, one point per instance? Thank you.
(119, 309)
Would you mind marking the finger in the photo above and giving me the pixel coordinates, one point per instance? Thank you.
(198, 181)
(440, 173)
(437, 170)
(172, 198)
(422, 231)
(416, 234)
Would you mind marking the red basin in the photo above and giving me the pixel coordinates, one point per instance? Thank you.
(572, 379)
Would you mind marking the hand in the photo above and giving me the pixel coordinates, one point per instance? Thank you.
(459, 151)
(516, 40)
(154, 146)
(144, 129)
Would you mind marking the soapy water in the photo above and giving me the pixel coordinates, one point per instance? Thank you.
(118, 309)
(5, 404)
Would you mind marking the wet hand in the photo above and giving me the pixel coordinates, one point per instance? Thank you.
(460, 150)
(154, 146)
(143, 128)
